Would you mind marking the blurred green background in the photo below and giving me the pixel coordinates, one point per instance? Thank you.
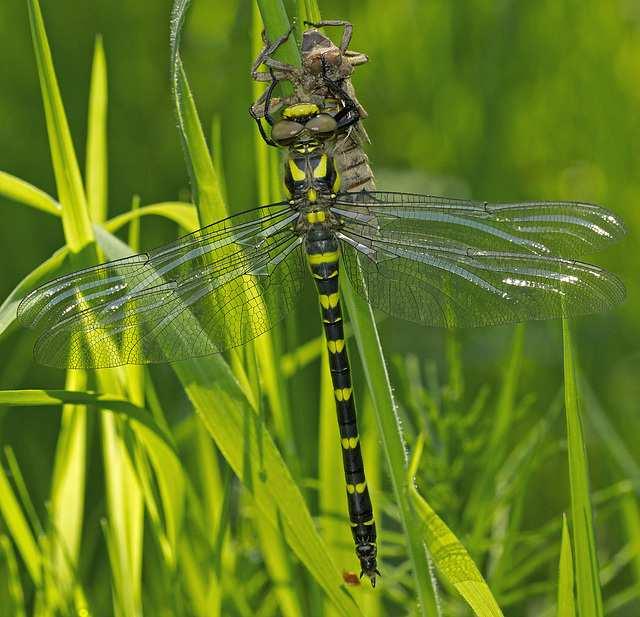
(493, 100)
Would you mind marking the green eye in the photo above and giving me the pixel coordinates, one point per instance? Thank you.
(322, 123)
(284, 131)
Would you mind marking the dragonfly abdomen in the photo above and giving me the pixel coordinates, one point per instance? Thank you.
(323, 256)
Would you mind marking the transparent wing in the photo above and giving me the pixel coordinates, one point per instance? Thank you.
(439, 265)
(544, 228)
(211, 290)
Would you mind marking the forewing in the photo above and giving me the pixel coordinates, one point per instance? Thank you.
(566, 229)
(209, 291)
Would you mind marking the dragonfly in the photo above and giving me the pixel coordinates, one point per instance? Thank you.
(436, 261)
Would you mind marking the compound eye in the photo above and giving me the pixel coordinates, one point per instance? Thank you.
(285, 131)
(322, 123)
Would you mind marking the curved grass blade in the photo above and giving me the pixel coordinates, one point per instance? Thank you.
(589, 594)
(566, 602)
(22, 192)
(45, 271)
(179, 212)
(449, 555)
(47, 398)
(96, 164)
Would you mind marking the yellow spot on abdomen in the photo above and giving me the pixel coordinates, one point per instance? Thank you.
(335, 346)
(330, 301)
(343, 394)
(349, 443)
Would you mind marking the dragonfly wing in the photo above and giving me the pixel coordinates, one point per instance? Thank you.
(544, 228)
(212, 290)
(441, 282)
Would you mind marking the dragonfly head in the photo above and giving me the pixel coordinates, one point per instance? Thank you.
(301, 123)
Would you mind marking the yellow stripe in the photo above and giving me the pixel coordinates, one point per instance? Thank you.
(297, 173)
(321, 170)
(330, 301)
(343, 394)
(336, 320)
(323, 258)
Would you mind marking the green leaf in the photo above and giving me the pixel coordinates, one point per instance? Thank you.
(96, 164)
(566, 601)
(449, 555)
(21, 191)
(75, 217)
(588, 590)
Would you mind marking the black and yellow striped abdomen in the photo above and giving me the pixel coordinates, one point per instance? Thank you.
(324, 257)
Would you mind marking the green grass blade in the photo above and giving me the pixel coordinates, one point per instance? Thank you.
(449, 555)
(75, 216)
(22, 192)
(181, 213)
(393, 445)
(19, 529)
(10, 581)
(589, 594)
(566, 601)
(68, 487)
(204, 179)
(47, 398)
(276, 23)
(96, 164)
(45, 271)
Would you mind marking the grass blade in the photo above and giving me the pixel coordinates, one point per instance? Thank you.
(75, 217)
(566, 601)
(588, 590)
(181, 213)
(21, 191)
(19, 529)
(47, 398)
(96, 164)
(45, 271)
(449, 555)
